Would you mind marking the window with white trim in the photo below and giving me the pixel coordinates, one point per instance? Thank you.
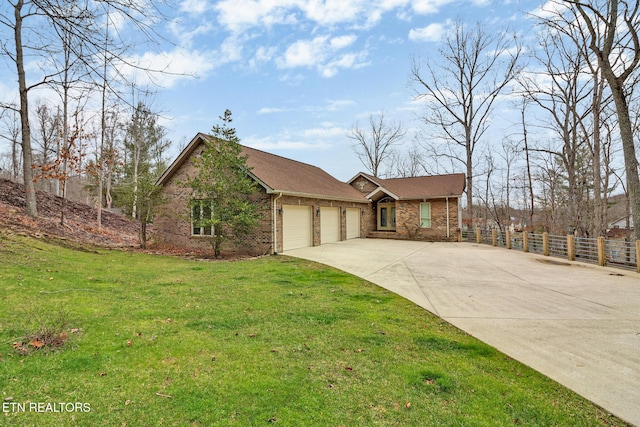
(201, 216)
(425, 215)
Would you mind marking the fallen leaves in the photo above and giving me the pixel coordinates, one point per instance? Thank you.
(36, 344)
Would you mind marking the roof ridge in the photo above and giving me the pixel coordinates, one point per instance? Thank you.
(422, 176)
(285, 158)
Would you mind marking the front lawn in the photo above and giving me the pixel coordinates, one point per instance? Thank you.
(147, 340)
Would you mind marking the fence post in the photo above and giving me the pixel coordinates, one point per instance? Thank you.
(602, 255)
(494, 237)
(525, 241)
(638, 256)
(508, 238)
(571, 247)
(478, 235)
(545, 244)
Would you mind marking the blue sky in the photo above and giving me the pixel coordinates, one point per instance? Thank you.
(299, 74)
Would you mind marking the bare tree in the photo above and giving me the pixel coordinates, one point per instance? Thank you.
(613, 27)
(461, 88)
(530, 203)
(47, 140)
(11, 132)
(407, 164)
(560, 90)
(74, 22)
(571, 28)
(375, 145)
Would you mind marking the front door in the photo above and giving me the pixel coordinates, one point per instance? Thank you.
(387, 216)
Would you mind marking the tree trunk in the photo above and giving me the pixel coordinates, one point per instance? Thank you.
(630, 160)
(27, 161)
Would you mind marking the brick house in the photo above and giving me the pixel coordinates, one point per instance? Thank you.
(302, 205)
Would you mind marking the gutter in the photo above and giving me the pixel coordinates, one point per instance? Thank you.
(275, 225)
(316, 196)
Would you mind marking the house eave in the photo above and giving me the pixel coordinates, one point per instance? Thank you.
(317, 196)
(181, 159)
(450, 196)
(378, 190)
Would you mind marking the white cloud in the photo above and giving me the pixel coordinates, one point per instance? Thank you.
(323, 53)
(342, 41)
(272, 110)
(549, 10)
(237, 14)
(262, 56)
(168, 68)
(346, 61)
(279, 143)
(339, 104)
(194, 7)
(331, 105)
(327, 131)
(425, 7)
(430, 33)
(305, 53)
(330, 12)
(185, 34)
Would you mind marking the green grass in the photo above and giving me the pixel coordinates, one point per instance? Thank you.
(162, 341)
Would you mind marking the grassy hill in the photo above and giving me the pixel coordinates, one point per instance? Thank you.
(130, 339)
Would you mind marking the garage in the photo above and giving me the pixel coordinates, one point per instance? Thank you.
(353, 223)
(329, 225)
(297, 227)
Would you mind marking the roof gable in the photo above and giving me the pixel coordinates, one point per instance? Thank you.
(425, 187)
(278, 174)
(292, 177)
(419, 187)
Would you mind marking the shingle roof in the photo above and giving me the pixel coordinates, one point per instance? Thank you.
(420, 187)
(292, 177)
(280, 175)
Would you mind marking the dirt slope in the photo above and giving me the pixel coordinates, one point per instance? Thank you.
(80, 223)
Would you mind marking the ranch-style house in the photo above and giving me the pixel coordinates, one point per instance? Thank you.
(302, 205)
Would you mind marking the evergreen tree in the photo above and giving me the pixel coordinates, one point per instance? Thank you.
(144, 147)
(220, 207)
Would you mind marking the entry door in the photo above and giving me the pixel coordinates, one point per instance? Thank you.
(386, 216)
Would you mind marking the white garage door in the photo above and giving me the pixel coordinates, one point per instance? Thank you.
(329, 225)
(353, 223)
(296, 227)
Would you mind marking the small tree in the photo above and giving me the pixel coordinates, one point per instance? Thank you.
(220, 205)
(144, 147)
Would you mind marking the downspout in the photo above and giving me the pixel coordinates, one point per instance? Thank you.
(275, 225)
(448, 226)
(459, 214)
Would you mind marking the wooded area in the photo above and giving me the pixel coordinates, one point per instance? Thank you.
(79, 118)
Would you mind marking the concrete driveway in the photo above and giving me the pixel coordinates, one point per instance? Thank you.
(576, 323)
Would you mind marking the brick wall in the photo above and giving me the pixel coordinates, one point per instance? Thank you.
(172, 222)
(408, 220)
(366, 215)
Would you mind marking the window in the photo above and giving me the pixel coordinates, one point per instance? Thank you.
(201, 216)
(425, 215)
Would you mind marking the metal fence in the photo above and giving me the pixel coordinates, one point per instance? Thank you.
(613, 253)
